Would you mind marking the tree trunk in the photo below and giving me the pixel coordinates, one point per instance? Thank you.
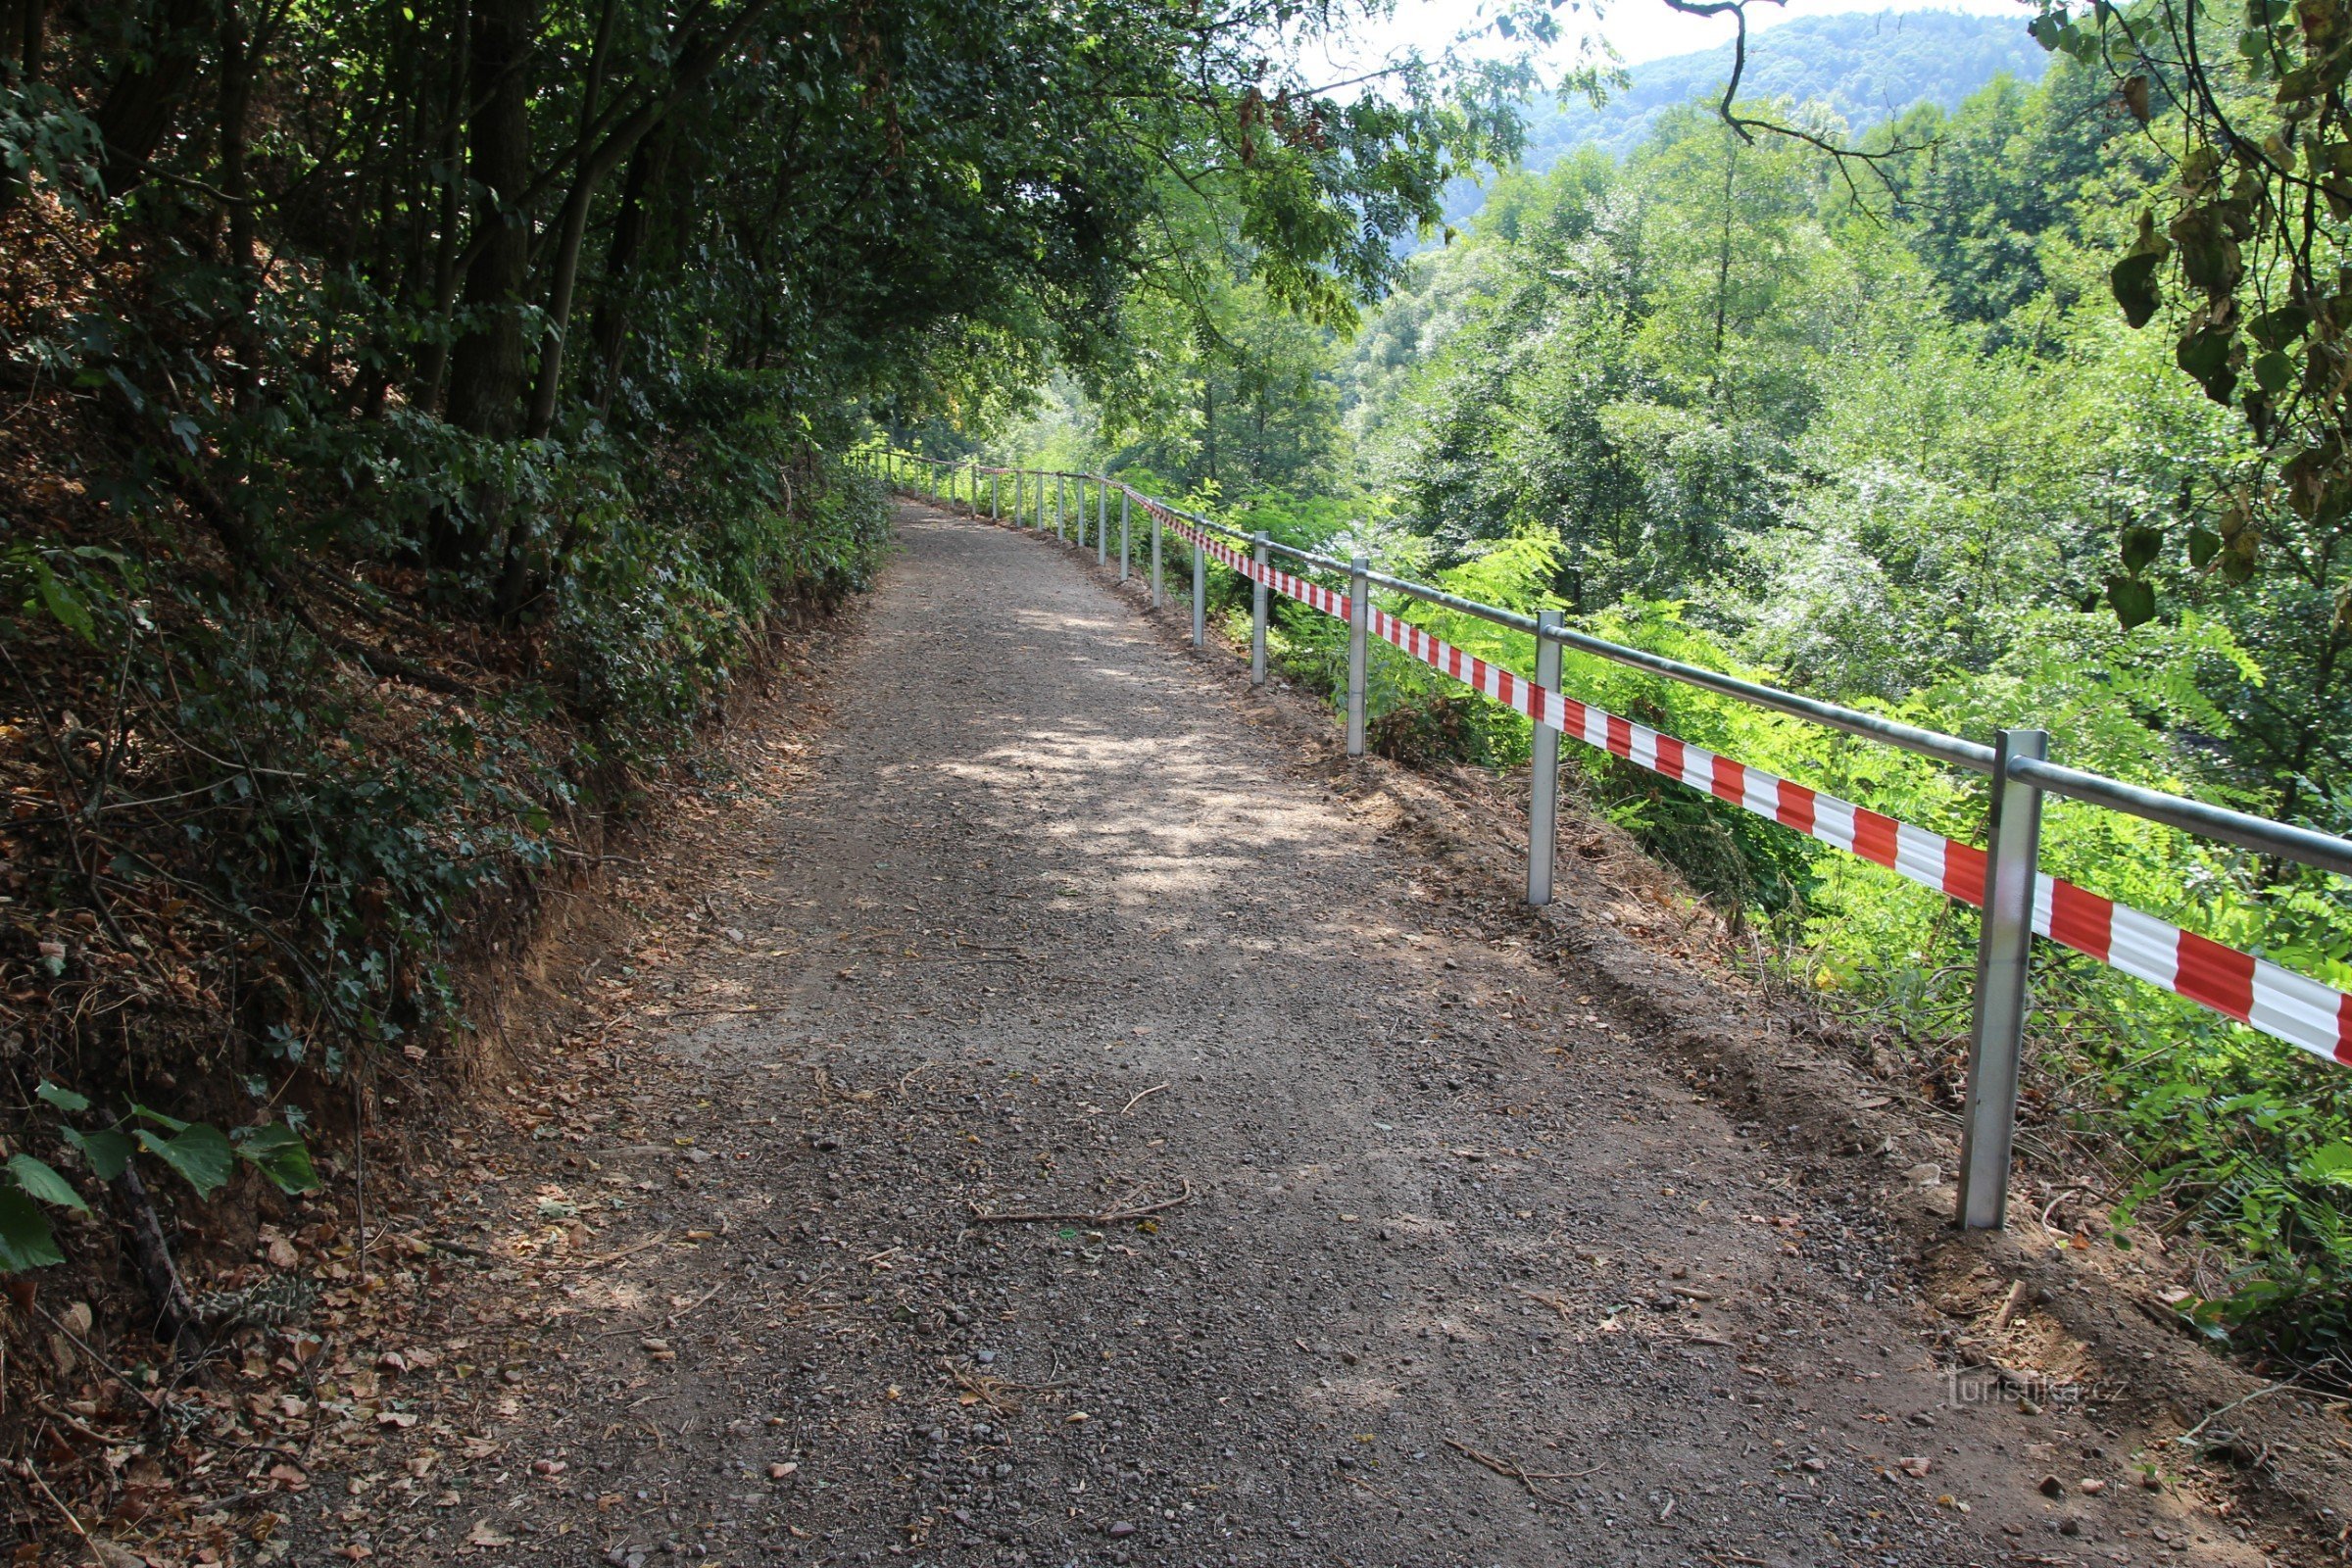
(572, 228)
(138, 105)
(27, 25)
(695, 62)
(486, 367)
(609, 327)
(236, 92)
(1723, 264)
(432, 374)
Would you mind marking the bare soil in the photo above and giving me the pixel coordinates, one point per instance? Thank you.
(1377, 1220)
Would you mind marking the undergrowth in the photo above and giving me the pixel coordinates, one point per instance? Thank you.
(271, 777)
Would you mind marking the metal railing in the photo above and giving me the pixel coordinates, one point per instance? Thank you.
(2017, 763)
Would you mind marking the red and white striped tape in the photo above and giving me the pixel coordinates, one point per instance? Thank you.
(2276, 1001)
(1326, 600)
(2279, 1003)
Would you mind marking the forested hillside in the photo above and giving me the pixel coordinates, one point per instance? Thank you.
(1877, 427)
(1862, 68)
(1865, 67)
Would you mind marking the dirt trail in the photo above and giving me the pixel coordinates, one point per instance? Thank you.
(1467, 1274)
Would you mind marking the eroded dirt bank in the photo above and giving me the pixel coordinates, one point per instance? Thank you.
(1426, 1257)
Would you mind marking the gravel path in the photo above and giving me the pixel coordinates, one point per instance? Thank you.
(1442, 1267)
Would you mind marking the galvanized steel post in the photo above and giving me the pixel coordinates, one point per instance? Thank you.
(1060, 499)
(1158, 597)
(1126, 535)
(1257, 614)
(2004, 957)
(1543, 770)
(1102, 521)
(1199, 594)
(996, 493)
(1359, 622)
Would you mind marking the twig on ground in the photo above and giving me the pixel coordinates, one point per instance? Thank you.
(1108, 1216)
(2009, 1305)
(2051, 1207)
(988, 1391)
(35, 1476)
(2189, 1436)
(154, 1406)
(1139, 1098)
(614, 1257)
(1557, 1303)
(671, 1321)
(1526, 1478)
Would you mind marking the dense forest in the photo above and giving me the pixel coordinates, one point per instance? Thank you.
(1860, 414)
(421, 419)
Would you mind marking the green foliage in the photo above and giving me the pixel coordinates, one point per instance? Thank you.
(200, 1154)
(2256, 213)
(1918, 462)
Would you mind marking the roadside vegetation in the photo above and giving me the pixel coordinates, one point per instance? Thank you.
(1919, 419)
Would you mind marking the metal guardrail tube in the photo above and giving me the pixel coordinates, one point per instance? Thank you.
(1444, 599)
(1909, 737)
(2327, 853)
(1326, 563)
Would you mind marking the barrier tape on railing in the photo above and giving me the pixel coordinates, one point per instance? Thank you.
(2278, 1002)
(1329, 601)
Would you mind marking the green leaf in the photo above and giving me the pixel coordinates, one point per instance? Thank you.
(168, 1123)
(63, 602)
(281, 1155)
(62, 1099)
(2203, 545)
(2330, 1163)
(2273, 370)
(26, 1239)
(2134, 279)
(41, 1180)
(2205, 355)
(108, 1153)
(2133, 600)
(200, 1154)
(2275, 329)
(2140, 544)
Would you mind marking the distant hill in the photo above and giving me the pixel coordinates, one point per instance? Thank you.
(1870, 67)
